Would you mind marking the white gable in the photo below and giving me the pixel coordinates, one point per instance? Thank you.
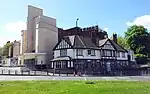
(108, 45)
(72, 39)
(63, 44)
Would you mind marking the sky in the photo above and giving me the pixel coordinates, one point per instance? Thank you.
(114, 16)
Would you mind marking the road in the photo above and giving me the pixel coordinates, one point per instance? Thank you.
(127, 78)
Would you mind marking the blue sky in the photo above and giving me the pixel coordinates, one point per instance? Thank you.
(112, 15)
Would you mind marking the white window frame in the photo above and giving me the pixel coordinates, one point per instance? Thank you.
(92, 52)
(123, 55)
(118, 54)
(63, 52)
(79, 52)
(108, 53)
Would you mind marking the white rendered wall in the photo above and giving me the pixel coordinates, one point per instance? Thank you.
(123, 58)
(86, 56)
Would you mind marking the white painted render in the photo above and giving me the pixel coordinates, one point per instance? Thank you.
(121, 58)
(72, 54)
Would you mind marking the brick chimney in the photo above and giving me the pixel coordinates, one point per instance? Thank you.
(115, 37)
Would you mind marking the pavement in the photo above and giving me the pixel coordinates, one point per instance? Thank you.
(126, 78)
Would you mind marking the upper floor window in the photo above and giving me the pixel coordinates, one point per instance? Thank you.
(91, 52)
(118, 54)
(79, 52)
(107, 53)
(123, 55)
(113, 53)
(63, 52)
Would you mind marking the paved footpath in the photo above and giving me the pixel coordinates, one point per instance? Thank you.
(127, 78)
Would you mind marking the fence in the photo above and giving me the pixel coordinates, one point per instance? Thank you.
(52, 73)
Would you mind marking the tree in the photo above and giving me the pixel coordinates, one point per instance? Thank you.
(122, 42)
(6, 49)
(136, 37)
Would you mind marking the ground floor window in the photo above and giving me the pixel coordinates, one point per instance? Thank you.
(29, 61)
(62, 64)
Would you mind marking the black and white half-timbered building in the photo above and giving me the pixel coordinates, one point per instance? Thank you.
(79, 54)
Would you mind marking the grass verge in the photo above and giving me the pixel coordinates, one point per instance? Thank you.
(74, 87)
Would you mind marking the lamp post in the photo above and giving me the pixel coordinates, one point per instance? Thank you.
(77, 22)
(77, 48)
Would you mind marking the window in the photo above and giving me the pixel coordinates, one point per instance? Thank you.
(91, 52)
(113, 54)
(41, 62)
(61, 64)
(123, 55)
(79, 52)
(118, 54)
(63, 52)
(107, 53)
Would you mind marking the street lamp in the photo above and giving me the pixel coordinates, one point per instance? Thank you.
(76, 34)
(77, 22)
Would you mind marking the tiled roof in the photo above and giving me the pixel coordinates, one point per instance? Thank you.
(102, 42)
(80, 42)
(77, 41)
(118, 47)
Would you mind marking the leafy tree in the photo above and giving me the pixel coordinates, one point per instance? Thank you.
(6, 49)
(137, 39)
(1, 51)
(122, 42)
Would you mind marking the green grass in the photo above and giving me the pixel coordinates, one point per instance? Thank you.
(74, 87)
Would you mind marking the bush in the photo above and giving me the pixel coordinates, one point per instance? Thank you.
(139, 55)
(141, 59)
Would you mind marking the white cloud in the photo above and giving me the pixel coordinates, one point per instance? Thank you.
(15, 26)
(142, 20)
(106, 29)
(12, 31)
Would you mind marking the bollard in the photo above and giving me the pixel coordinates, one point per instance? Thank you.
(67, 73)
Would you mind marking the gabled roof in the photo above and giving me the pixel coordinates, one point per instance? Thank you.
(118, 47)
(76, 41)
(115, 45)
(102, 42)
